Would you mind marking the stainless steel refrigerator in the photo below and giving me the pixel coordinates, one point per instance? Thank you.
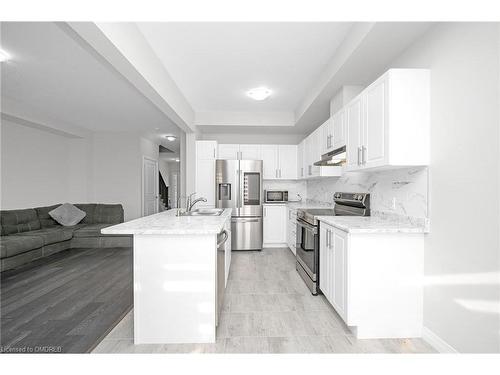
(238, 185)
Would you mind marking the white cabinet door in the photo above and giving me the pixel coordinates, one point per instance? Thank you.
(275, 223)
(229, 151)
(250, 152)
(338, 282)
(354, 124)
(315, 151)
(374, 125)
(227, 250)
(339, 132)
(300, 160)
(324, 269)
(205, 182)
(292, 230)
(270, 158)
(287, 162)
(206, 150)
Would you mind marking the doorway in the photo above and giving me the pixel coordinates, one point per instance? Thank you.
(149, 186)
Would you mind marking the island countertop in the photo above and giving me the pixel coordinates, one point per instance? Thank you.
(166, 222)
(372, 224)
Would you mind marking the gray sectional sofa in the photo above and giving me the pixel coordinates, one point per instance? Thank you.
(31, 233)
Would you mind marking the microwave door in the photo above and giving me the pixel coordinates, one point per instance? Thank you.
(250, 202)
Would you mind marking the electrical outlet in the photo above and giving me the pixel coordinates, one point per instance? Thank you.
(393, 204)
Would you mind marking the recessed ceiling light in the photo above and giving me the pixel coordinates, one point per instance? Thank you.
(170, 138)
(259, 93)
(177, 160)
(4, 56)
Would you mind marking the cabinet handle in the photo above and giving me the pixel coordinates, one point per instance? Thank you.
(301, 171)
(214, 153)
(331, 237)
(363, 155)
(276, 173)
(359, 157)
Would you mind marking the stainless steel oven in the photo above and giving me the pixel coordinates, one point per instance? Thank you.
(307, 253)
(307, 234)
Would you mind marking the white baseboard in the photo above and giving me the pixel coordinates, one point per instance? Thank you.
(437, 342)
(267, 245)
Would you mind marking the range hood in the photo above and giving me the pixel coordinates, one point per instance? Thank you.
(333, 158)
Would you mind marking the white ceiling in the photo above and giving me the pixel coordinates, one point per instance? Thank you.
(56, 78)
(214, 64)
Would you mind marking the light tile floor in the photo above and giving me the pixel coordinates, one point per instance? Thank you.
(268, 309)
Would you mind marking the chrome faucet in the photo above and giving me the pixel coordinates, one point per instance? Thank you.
(192, 203)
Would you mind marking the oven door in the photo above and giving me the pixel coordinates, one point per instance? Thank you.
(307, 248)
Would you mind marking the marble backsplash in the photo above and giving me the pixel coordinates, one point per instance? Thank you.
(406, 188)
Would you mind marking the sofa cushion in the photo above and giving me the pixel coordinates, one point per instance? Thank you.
(51, 235)
(18, 221)
(13, 245)
(91, 230)
(46, 221)
(67, 214)
(108, 214)
(89, 209)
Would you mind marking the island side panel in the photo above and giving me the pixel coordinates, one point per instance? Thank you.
(174, 288)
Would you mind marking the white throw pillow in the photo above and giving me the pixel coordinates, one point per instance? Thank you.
(67, 214)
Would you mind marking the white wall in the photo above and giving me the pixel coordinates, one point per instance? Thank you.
(35, 167)
(462, 250)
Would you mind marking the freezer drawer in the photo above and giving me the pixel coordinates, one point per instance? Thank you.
(246, 233)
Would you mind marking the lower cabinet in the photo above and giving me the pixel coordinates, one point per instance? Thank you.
(275, 225)
(333, 257)
(374, 280)
(227, 251)
(292, 230)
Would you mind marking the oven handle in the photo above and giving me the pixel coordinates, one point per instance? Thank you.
(309, 227)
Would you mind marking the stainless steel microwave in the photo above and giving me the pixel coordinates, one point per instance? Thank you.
(274, 196)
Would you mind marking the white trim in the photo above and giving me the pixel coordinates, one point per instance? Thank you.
(437, 342)
(144, 158)
(274, 245)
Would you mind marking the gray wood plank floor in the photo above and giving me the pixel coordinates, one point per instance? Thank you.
(67, 302)
(268, 309)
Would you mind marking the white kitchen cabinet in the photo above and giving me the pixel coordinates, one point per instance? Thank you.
(339, 129)
(354, 123)
(275, 225)
(250, 152)
(239, 152)
(327, 136)
(279, 162)
(300, 160)
(270, 161)
(287, 155)
(229, 151)
(388, 123)
(206, 152)
(374, 280)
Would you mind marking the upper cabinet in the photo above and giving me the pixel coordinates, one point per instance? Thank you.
(237, 151)
(279, 162)
(229, 151)
(327, 136)
(206, 150)
(338, 128)
(388, 123)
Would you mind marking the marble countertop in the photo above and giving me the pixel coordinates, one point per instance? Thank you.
(372, 224)
(167, 222)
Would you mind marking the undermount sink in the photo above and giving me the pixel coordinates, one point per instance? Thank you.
(204, 212)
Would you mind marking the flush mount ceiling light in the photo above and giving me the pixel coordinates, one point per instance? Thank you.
(4, 56)
(259, 93)
(170, 138)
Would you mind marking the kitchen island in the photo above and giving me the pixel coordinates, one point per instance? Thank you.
(175, 275)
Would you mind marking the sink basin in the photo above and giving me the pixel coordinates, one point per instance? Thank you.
(204, 212)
